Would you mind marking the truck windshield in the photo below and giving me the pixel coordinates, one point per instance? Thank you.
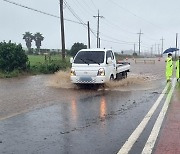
(89, 57)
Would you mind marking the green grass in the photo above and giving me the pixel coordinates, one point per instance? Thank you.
(40, 59)
(38, 64)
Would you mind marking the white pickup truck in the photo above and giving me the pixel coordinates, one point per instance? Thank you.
(96, 66)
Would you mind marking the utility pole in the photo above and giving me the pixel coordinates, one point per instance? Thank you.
(158, 50)
(176, 45)
(134, 48)
(62, 29)
(151, 51)
(162, 46)
(155, 49)
(98, 16)
(89, 42)
(139, 41)
(99, 42)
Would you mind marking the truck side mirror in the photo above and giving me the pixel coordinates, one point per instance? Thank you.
(109, 60)
(71, 60)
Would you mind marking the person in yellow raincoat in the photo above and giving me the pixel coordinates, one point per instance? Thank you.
(177, 68)
(169, 67)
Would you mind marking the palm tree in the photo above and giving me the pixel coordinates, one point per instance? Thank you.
(38, 38)
(28, 37)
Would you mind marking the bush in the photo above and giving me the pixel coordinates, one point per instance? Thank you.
(50, 67)
(12, 57)
(14, 73)
(76, 47)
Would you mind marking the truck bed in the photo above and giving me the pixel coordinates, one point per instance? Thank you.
(123, 67)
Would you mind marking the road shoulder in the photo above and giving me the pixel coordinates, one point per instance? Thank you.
(170, 134)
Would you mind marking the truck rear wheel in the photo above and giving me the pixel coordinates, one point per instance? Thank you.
(124, 74)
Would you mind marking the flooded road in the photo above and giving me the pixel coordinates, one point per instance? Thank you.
(47, 114)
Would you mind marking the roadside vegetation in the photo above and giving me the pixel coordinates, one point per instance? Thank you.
(47, 64)
(14, 61)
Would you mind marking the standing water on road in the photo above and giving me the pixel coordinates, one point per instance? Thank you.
(44, 111)
(142, 76)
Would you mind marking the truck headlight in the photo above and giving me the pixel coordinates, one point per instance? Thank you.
(101, 72)
(73, 73)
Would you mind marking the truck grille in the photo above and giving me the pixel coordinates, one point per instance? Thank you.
(85, 80)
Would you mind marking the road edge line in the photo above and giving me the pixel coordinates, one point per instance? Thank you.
(137, 132)
(155, 131)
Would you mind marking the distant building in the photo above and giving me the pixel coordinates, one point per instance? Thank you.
(43, 50)
(126, 52)
(55, 50)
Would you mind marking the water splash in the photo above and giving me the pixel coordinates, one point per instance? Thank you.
(61, 79)
(133, 82)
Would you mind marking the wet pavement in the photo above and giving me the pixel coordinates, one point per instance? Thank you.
(46, 114)
(97, 124)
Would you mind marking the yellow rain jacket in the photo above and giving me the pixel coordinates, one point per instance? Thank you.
(177, 69)
(169, 68)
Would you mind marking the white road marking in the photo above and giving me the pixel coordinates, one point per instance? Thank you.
(13, 115)
(155, 131)
(137, 132)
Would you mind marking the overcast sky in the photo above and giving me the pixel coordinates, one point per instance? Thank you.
(122, 20)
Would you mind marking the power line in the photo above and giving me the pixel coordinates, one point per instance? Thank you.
(133, 13)
(77, 17)
(81, 22)
(92, 31)
(42, 12)
(117, 26)
(144, 19)
(125, 42)
(74, 14)
(48, 14)
(94, 4)
(86, 5)
(116, 42)
(83, 7)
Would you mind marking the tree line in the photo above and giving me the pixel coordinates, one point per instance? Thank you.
(38, 38)
(29, 37)
(14, 58)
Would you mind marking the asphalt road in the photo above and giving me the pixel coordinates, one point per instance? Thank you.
(46, 114)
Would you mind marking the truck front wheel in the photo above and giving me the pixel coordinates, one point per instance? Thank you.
(111, 77)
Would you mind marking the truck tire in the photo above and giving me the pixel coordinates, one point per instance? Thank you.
(125, 75)
(111, 78)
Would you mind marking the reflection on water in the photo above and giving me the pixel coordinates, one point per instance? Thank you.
(74, 109)
(103, 107)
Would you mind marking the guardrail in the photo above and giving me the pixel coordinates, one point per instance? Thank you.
(145, 61)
